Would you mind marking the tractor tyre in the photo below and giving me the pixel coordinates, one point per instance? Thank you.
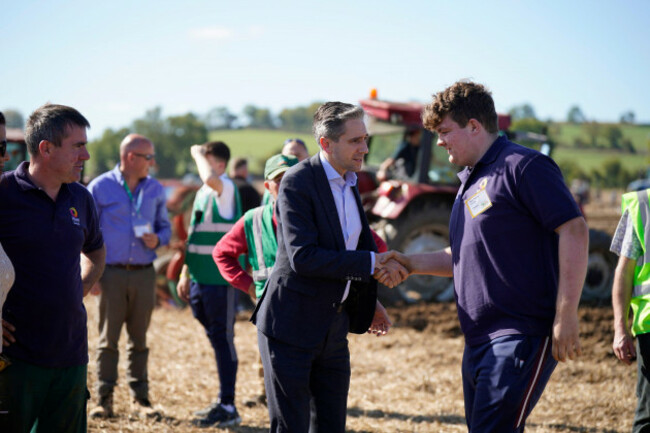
(424, 228)
(600, 268)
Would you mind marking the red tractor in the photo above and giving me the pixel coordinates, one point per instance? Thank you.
(411, 211)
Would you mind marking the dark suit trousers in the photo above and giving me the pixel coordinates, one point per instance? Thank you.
(307, 389)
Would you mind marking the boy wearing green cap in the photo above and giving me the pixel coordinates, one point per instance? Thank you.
(254, 234)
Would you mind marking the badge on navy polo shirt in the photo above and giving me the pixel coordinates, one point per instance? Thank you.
(75, 216)
(479, 202)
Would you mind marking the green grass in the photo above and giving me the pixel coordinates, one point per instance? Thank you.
(257, 145)
(589, 160)
(565, 135)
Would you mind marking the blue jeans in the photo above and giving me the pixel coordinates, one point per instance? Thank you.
(214, 306)
(503, 380)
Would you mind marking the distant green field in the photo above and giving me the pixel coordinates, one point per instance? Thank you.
(258, 145)
(565, 135)
(589, 160)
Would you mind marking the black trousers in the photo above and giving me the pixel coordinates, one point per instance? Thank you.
(307, 388)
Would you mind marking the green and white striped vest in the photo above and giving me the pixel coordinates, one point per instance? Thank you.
(262, 244)
(206, 228)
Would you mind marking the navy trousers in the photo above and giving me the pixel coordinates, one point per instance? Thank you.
(502, 381)
(215, 307)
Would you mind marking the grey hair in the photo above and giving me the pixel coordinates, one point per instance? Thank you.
(51, 122)
(330, 118)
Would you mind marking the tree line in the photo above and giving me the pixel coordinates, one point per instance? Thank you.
(598, 135)
(176, 132)
(592, 135)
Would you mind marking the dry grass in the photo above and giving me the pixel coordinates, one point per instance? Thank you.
(408, 381)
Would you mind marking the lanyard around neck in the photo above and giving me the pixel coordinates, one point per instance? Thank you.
(136, 203)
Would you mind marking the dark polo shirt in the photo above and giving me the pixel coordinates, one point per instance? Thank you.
(505, 257)
(44, 239)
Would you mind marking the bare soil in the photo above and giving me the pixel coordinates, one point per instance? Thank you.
(407, 381)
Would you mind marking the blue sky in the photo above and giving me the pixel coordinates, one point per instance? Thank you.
(114, 60)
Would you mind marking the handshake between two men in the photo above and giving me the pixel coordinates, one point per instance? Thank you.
(393, 267)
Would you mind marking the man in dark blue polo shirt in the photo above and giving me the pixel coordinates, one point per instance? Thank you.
(50, 230)
(518, 256)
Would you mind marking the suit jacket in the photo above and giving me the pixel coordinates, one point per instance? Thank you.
(312, 265)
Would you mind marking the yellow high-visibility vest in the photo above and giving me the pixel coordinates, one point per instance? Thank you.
(637, 204)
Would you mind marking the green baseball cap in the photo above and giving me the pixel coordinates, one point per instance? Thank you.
(278, 164)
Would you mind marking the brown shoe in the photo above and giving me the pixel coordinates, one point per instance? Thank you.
(105, 407)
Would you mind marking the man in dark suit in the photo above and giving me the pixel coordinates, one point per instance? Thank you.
(321, 286)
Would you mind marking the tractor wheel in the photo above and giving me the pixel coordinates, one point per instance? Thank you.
(422, 229)
(600, 268)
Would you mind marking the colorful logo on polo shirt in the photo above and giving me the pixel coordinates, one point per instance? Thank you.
(75, 216)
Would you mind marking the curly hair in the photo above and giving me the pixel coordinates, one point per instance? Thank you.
(463, 100)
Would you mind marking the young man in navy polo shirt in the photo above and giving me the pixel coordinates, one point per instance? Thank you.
(518, 256)
(50, 231)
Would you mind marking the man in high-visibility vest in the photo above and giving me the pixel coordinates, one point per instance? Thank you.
(216, 208)
(631, 288)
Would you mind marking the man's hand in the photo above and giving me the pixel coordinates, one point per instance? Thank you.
(196, 150)
(381, 323)
(92, 268)
(566, 339)
(7, 336)
(573, 245)
(96, 289)
(390, 274)
(402, 259)
(390, 269)
(251, 292)
(150, 240)
(623, 346)
(183, 287)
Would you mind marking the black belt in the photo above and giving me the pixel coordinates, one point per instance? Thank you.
(130, 267)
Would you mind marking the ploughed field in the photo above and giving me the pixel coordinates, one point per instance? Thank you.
(407, 381)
